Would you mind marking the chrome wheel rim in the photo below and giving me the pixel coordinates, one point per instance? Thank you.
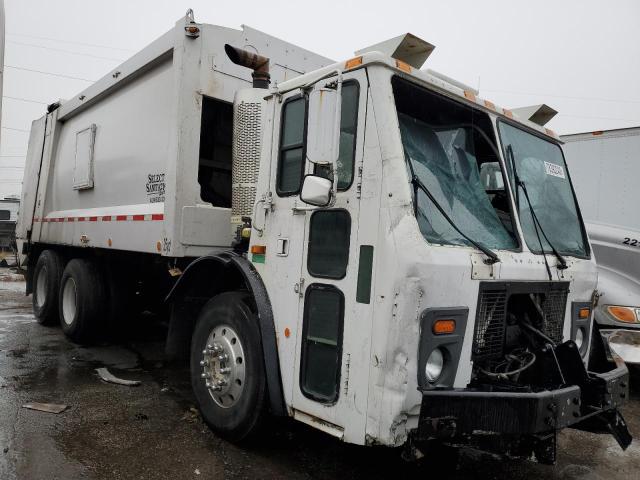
(223, 366)
(69, 301)
(41, 287)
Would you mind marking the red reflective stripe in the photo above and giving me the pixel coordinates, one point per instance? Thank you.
(104, 218)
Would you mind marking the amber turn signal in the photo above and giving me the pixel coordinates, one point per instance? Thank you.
(259, 249)
(583, 313)
(441, 327)
(623, 314)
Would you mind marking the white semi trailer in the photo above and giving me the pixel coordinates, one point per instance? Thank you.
(369, 248)
(606, 167)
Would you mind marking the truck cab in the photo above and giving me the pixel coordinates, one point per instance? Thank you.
(426, 264)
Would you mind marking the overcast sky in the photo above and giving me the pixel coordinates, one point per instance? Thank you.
(580, 57)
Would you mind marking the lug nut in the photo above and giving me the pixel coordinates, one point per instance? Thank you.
(221, 383)
(204, 362)
(225, 370)
(223, 358)
(205, 375)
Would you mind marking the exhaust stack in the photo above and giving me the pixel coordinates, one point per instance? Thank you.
(258, 63)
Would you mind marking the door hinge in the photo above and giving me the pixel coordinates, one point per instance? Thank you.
(299, 288)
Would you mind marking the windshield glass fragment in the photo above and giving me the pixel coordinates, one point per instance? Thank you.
(447, 145)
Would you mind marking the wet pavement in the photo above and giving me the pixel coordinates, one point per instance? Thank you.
(154, 432)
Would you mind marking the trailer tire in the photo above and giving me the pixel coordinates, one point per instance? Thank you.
(229, 325)
(46, 278)
(82, 301)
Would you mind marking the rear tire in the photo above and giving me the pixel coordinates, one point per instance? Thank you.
(231, 392)
(82, 301)
(46, 284)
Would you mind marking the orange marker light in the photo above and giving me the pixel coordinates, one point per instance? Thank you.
(507, 113)
(405, 67)
(469, 95)
(441, 327)
(258, 249)
(583, 313)
(489, 105)
(159, 246)
(287, 332)
(623, 314)
(109, 242)
(353, 62)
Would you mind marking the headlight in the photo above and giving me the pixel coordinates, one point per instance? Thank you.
(579, 338)
(433, 367)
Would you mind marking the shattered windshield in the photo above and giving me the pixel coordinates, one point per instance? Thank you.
(540, 167)
(446, 145)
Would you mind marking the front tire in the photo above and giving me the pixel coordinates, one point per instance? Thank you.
(82, 301)
(227, 368)
(46, 283)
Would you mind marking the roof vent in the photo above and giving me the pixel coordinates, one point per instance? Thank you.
(538, 114)
(407, 48)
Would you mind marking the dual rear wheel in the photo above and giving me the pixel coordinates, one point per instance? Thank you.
(75, 295)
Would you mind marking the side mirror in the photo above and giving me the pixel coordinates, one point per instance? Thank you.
(323, 125)
(316, 190)
(491, 176)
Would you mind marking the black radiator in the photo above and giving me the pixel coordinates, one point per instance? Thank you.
(491, 313)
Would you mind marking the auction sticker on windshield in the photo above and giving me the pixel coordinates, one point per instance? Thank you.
(553, 169)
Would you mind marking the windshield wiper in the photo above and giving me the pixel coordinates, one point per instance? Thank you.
(417, 184)
(536, 223)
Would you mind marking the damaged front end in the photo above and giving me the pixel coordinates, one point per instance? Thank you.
(526, 383)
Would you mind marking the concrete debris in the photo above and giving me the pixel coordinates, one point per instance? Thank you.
(46, 407)
(107, 376)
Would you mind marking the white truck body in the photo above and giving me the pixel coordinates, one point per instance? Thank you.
(117, 166)
(345, 293)
(605, 168)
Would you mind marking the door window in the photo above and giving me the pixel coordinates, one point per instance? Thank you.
(329, 243)
(292, 143)
(322, 343)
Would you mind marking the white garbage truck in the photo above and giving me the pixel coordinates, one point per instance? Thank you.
(367, 247)
(606, 170)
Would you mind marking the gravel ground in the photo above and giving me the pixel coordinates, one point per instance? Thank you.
(154, 432)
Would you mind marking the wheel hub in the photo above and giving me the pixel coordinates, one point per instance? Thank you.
(223, 367)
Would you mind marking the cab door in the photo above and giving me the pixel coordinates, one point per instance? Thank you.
(328, 332)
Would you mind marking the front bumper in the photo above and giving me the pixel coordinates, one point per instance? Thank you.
(589, 401)
(624, 342)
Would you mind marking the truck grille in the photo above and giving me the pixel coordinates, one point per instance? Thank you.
(554, 306)
(488, 338)
(491, 316)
